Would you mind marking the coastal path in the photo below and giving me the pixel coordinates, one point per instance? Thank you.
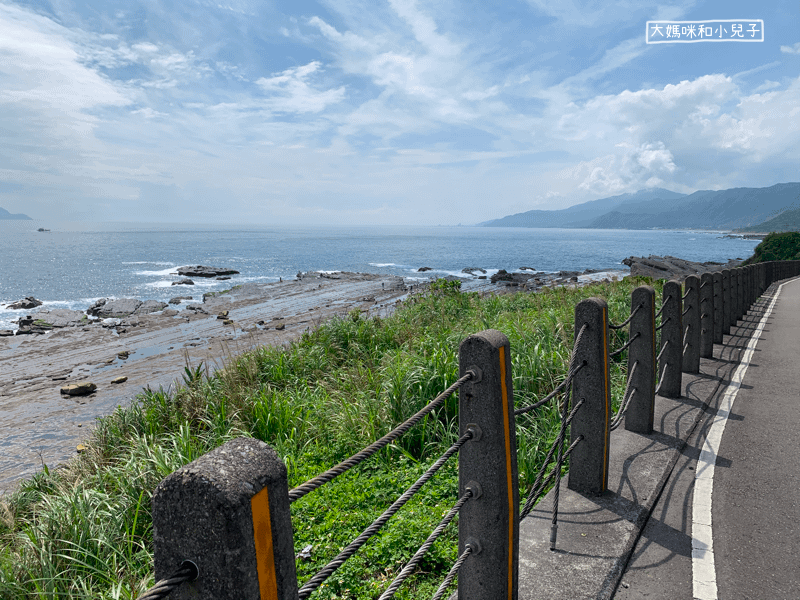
(726, 524)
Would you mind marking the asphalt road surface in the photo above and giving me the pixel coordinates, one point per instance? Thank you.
(754, 491)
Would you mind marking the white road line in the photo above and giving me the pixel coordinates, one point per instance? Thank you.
(704, 576)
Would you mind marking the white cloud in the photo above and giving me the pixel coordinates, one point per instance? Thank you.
(793, 49)
(290, 91)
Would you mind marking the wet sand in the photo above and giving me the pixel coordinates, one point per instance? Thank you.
(39, 425)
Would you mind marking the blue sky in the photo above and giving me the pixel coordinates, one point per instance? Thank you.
(381, 112)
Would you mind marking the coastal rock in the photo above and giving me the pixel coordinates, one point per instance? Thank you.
(280, 327)
(670, 267)
(473, 270)
(6, 333)
(178, 299)
(59, 317)
(201, 271)
(25, 303)
(169, 312)
(224, 278)
(423, 269)
(196, 308)
(184, 281)
(79, 389)
(150, 306)
(121, 307)
(511, 278)
(121, 379)
(95, 308)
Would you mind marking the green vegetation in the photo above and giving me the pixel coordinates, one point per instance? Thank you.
(84, 530)
(776, 246)
(788, 220)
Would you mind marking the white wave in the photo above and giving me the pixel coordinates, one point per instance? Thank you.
(161, 273)
(147, 262)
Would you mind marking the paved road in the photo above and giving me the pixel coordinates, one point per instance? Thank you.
(756, 482)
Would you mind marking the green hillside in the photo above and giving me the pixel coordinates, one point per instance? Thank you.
(777, 246)
(786, 221)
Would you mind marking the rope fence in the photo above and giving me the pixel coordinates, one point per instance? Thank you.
(201, 517)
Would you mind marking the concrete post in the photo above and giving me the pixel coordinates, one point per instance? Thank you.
(642, 353)
(734, 296)
(740, 308)
(748, 288)
(588, 472)
(727, 302)
(718, 307)
(691, 325)
(706, 315)
(228, 512)
(671, 347)
(488, 464)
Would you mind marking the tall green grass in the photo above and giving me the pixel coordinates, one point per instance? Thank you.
(84, 530)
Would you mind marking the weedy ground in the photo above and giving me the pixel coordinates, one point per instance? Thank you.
(84, 530)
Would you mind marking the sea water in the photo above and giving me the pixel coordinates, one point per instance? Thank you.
(74, 264)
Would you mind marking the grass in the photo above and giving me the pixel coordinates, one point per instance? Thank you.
(84, 530)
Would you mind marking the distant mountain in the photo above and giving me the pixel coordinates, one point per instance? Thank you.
(581, 215)
(4, 214)
(788, 220)
(662, 209)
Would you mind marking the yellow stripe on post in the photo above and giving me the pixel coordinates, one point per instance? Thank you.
(265, 556)
(504, 392)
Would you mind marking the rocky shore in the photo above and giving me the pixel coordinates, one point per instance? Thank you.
(61, 369)
(670, 267)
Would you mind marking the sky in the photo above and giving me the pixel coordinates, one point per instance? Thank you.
(382, 112)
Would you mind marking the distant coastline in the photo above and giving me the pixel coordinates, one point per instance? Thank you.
(5, 215)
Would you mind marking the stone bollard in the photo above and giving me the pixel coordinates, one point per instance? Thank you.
(740, 308)
(642, 353)
(671, 346)
(706, 315)
(691, 325)
(487, 464)
(228, 512)
(727, 302)
(718, 307)
(588, 473)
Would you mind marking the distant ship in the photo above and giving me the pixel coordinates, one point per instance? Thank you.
(42, 229)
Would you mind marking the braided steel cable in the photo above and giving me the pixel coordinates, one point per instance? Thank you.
(663, 304)
(686, 334)
(624, 346)
(412, 564)
(537, 491)
(452, 574)
(570, 374)
(559, 461)
(625, 402)
(353, 546)
(560, 387)
(342, 467)
(626, 321)
(664, 323)
(688, 308)
(660, 354)
(548, 458)
(661, 378)
(188, 571)
(686, 295)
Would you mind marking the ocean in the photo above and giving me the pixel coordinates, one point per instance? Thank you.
(74, 264)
